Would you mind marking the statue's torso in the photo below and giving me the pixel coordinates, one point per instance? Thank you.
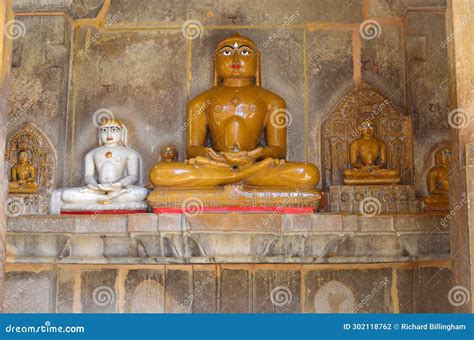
(369, 150)
(110, 163)
(442, 178)
(23, 172)
(236, 117)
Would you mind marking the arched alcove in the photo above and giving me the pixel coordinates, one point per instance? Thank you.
(340, 128)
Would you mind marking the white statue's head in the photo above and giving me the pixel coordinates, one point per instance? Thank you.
(113, 132)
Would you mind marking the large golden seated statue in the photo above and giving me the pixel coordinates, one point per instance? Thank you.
(235, 170)
(368, 157)
(437, 181)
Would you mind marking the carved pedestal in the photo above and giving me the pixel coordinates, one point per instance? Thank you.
(374, 199)
(27, 204)
(233, 196)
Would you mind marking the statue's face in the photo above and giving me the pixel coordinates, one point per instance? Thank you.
(445, 156)
(236, 59)
(23, 157)
(367, 129)
(110, 134)
(168, 152)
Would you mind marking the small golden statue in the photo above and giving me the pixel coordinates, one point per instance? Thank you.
(23, 175)
(437, 181)
(234, 114)
(168, 153)
(368, 157)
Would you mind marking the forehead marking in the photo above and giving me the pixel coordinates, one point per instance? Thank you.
(236, 45)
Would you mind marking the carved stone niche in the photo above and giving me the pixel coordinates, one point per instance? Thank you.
(340, 128)
(43, 158)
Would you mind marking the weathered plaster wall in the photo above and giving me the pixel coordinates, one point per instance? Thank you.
(140, 66)
(211, 288)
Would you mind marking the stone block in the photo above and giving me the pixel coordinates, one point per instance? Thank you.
(144, 291)
(65, 290)
(98, 294)
(426, 245)
(319, 245)
(235, 291)
(297, 222)
(100, 224)
(28, 292)
(235, 222)
(224, 13)
(179, 290)
(41, 224)
(286, 291)
(142, 223)
(204, 298)
(121, 247)
(373, 246)
(35, 246)
(371, 200)
(87, 247)
(433, 288)
(263, 284)
(348, 291)
(230, 245)
(426, 222)
(171, 222)
(153, 245)
(406, 290)
(375, 223)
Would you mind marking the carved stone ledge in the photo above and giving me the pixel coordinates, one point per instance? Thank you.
(223, 238)
(373, 199)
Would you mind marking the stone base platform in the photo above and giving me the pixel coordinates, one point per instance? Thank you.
(27, 204)
(228, 263)
(99, 209)
(374, 199)
(233, 196)
(226, 238)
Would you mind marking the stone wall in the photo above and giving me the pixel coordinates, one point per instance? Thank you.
(131, 58)
(228, 263)
(139, 65)
(212, 288)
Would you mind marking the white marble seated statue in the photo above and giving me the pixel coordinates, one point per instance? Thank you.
(111, 172)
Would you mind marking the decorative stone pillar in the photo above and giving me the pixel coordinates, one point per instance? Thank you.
(460, 43)
(6, 15)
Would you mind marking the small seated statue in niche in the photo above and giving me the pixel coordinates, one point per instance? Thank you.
(111, 172)
(368, 157)
(23, 176)
(437, 181)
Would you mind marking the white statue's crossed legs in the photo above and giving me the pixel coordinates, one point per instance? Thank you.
(87, 195)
